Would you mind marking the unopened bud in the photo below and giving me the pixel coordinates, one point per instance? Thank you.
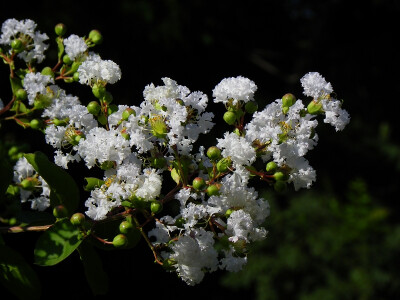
(229, 117)
(95, 36)
(314, 108)
(288, 100)
(60, 29)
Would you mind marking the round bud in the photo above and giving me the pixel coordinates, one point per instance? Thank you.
(125, 227)
(127, 112)
(212, 190)
(198, 183)
(251, 107)
(314, 108)
(230, 117)
(47, 71)
(27, 184)
(271, 166)
(77, 219)
(21, 94)
(67, 60)
(60, 211)
(213, 153)
(224, 164)
(95, 36)
(120, 240)
(98, 91)
(288, 100)
(156, 207)
(35, 123)
(17, 45)
(75, 77)
(280, 176)
(93, 107)
(60, 29)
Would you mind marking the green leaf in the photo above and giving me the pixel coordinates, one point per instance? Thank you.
(93, 183)
(17, 276)
(57, 243)
(95, 275)
(63, 189)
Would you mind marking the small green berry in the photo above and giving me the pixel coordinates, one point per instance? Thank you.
(120, 240)
(213, 153)
(60, 211)
(156, 207)
(75, 76)
(60, 29)
(93, 107)
(95, 36)
(98, 91)
(229, 117)
(288, 100)
(35, 123)
(67, 60)
(271, 166)
(47, 71)
(21, 94)
(212, 190)
(77, 219)
(198, 183)
(17, 45)
(125, 227)
(280, 176)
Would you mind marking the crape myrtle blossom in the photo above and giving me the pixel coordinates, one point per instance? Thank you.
(147, 156)
(32, 42)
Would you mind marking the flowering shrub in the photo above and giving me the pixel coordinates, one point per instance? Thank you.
(194, 205)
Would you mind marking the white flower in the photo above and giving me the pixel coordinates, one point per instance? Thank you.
(334, 114)
(36, 83)
(94, 70)
(74, 46)
(150, 186)
(315, 85)
(235, 88)
(237, 148)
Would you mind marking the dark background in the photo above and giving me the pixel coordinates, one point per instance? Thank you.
(198, 43)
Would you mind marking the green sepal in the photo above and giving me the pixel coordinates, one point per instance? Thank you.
(57, 243)
(60, 44)
(93, 183)
(95, 275)
(63, 189)
(17, 275)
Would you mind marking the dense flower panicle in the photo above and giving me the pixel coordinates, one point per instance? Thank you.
(75, 46)
(25, 30)
(234, 88)
(92, 71)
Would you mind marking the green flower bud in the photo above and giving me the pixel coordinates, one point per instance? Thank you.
(156, 207)
(127, 112)
(288, 100)
(212, 190)
(60, 29)
(93, 107)
(280, 176)
(120, 240)
(251, 107)
(224, 164)
(77, 219)
(213, 153)
(271, 166)
(47, 71)
(60, 211)
(98, 91)
(314, 108)
(198, 183)
(229, 117)
(95, 36)
(75, 76)
(35, 123)
(17, 45)
(21, 94)
(125, 227)
(67, 60)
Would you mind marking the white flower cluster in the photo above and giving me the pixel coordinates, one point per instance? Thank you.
(38, 192)
(32, 41)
